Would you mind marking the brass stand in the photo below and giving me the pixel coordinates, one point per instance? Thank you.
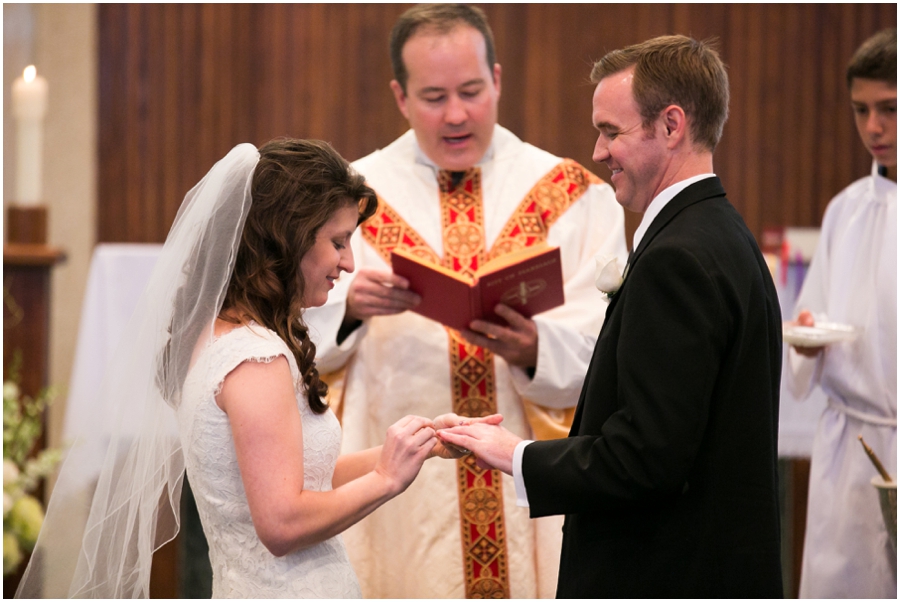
(26, 225)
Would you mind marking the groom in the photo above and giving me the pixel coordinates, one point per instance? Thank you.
(668, 477)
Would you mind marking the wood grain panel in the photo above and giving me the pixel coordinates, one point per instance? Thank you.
(180, 84)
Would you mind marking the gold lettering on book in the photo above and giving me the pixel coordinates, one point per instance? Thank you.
(520, 294)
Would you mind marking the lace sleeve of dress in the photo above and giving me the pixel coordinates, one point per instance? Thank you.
(246, 343)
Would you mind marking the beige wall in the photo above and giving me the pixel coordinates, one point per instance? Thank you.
(61, 40)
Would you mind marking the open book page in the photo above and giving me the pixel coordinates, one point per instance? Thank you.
(498, 263)
(530, 285)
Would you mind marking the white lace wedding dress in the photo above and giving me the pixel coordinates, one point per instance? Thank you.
(242, 566)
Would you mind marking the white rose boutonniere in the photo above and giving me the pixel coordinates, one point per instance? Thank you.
(609, 275)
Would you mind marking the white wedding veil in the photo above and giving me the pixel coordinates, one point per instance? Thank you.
(135, 506)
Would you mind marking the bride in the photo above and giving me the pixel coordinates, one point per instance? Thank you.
(218, 345)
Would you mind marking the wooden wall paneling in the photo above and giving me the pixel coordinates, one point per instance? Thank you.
(170, 134)
(206, 127)
(135, 148)
(737, 132)
(747, 160)
(852, 160)
(336, 103)
(111, 165)
(245, 105)
(581, 47)
(866, 23)
(511, 22)
(179, 108)
(680, 19)
(306, 25)
(772, 105)
(809, 106)
(789, 110)
(347, 70)
(190, 97)
(342, 110)
(318, 85)
(845, 137)
(560, 77)
(222, 88)
(380, 120)
(833, 108)
(303, 115)
(271, 96)
(152, 62)
(181, 84)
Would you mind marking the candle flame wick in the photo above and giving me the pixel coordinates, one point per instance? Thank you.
(30, 73)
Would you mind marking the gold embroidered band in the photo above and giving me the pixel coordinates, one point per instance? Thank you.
(473, 384)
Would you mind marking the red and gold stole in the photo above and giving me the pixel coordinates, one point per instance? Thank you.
(472, 368)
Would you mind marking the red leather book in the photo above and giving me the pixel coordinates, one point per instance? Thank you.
(528, 280)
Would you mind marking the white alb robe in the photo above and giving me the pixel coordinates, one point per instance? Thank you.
(852, 280)
(411, 547)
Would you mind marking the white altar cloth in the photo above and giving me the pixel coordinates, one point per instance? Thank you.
(118, 275)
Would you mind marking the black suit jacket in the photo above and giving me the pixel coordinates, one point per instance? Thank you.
(668, 478)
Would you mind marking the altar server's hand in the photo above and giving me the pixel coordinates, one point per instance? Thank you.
(492, 445)
(409, 443)
(516, 343)
(378, 293)
(806, 319)
(448, 451)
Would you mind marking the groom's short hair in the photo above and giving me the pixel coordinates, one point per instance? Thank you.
(675, 70)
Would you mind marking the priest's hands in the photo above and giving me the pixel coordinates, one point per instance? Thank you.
(448, 451)
(378, 293)
(516, 343)
(492, 444)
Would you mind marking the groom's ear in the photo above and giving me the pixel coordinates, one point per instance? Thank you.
(675, 125)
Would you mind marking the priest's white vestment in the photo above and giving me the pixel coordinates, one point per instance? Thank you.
(852, 280)
(419, 545)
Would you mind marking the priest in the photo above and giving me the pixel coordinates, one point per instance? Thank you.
(459, 190)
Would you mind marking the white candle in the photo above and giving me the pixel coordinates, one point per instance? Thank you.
(29, 104)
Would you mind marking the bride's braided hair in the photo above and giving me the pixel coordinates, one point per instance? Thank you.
(297, 187)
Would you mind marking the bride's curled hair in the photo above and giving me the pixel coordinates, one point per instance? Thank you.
(297, 187)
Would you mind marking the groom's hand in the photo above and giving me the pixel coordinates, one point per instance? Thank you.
(492, 445)
(449, 451)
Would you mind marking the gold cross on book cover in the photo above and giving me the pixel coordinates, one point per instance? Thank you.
(528, 280)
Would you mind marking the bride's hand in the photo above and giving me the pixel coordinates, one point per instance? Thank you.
(448, 451)
(409, 443)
